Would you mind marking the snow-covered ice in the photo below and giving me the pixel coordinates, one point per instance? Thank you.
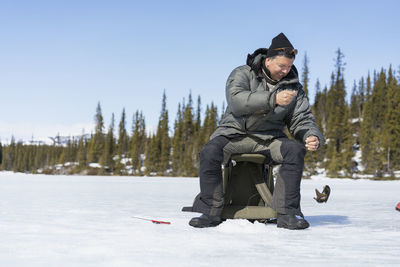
(87, 221)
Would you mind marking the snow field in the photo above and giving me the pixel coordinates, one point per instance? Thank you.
(87, 221)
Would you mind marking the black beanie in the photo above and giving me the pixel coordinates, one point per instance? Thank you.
(279, 41)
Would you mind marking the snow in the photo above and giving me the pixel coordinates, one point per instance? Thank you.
(94, 165)
(87, 221)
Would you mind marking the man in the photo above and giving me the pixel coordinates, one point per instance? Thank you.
(263, 97)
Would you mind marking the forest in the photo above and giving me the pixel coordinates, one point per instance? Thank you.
(365, 123)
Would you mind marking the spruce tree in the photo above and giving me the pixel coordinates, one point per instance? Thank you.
(96, 144)
(135, 154)
(315, 158)
(152, 154)
(178, 143)
(197, 126)
(122, 145)
(10, 155)
(138, 142)
(210, 123)
(347, 163)
(363, 96)
(366, 136)
(106, 160)
(164, 139)
(82, 152)
(336, 105)
(19, 160)
(188, 140)
(391, 125)
(160, 150)
(372, 135)
(122, 136)
(305, 74)
(197, 136)
(355, 102)
(319, 109)
(91, 151)
(39, 159)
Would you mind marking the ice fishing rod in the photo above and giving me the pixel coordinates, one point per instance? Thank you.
(149, 220)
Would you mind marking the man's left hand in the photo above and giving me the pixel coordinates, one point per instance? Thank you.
(312, 143)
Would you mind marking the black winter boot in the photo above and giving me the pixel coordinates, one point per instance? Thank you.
(205, 221)
(291, 222)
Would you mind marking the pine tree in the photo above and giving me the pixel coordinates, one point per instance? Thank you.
(122, 145)
(197, 126)
(67, 153)
(336, 106)
(123, 136)
(106, 160)
(314, 158)
(138, 141)
(391, 125)
(152, 154)
(319, 108)
(355, 102)
(197, 138)
(91, 152)
(305, 74)
(10, 156)
(163, 140)
(158, 153)
(373, 155)
(82, 152)
(366, 132)
(96, 144)
(177, 143)
(210, 123)
(19, 163)
(363, 96)
(348, 165)
(39, 159)
(135, 142)
(71, 150)
(188, 140)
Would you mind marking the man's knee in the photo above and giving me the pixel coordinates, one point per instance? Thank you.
(212, 152)
(293, 152)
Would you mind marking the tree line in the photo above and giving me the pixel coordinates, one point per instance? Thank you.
(134, 152)
(366, 126)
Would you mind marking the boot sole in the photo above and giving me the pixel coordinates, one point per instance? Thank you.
(199, 225)
(281, 225)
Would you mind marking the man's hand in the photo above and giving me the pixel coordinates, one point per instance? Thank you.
(284, 97)
(312, 143)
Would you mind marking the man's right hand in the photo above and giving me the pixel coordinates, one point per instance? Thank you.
(284, 97)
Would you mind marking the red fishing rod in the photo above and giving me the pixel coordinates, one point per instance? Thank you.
(149, 220)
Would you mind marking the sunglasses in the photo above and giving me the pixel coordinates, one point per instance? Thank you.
(287, 50)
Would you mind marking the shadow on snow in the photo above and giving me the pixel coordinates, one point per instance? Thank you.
(321, 220)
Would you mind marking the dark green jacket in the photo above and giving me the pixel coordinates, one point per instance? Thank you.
(251, 106)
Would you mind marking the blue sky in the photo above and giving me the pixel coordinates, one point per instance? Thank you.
(59, 58)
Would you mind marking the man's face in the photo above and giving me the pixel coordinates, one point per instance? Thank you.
(279, 67)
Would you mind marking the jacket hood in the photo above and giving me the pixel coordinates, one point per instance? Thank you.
(258, 57)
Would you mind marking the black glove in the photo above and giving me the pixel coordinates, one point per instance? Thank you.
(323, 197)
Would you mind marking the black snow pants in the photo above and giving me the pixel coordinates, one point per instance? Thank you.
(288, 153)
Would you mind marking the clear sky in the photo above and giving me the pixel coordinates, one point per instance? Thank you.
(58, 59)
